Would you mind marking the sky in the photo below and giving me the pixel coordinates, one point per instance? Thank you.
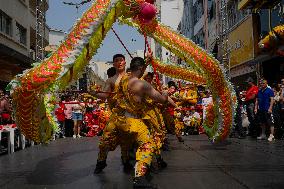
(62, 17)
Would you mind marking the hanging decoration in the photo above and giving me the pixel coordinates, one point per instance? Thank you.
(273, 40)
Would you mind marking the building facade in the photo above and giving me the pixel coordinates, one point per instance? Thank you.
(170, 13)
(18, 37)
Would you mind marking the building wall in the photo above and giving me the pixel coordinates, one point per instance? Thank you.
(171, 15)
(186, 25)
(20, 13)
(15, 49)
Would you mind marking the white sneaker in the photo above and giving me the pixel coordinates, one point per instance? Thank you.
(186, 134)
(74, 136)
(79, 136)
(182, 133)
(261, 137)
(271, 138)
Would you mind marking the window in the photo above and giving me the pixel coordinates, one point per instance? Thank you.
(21, 34)
(234, 15)
(199, 38)
(211, 9)
(5, 23)
(197, 11)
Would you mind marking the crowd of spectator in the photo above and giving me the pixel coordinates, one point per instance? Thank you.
(263, 106)
(260, 111)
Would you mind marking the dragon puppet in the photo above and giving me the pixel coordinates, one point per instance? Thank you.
(34, 90)
(273, 40)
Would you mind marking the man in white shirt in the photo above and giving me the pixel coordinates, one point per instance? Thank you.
(186, 120)
(205, 102)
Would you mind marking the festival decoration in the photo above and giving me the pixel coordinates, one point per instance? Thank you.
(147, 12)
(222, 90)
(177, 72)
(32, 91)
(273, 40)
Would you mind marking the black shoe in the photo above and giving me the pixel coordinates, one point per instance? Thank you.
(142, 182)
(127, 167)
(161, 163)
(154, 168)
(165, 147)
(100, 166)
(180, 139)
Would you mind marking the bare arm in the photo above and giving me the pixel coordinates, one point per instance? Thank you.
(256, 106)
(271, 104)
(7, 106)
(281, 95)
(148, 90)
(107, 88)
(172, 102)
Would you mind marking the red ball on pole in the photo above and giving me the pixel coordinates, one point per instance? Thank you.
(147, 12)
(150, 1)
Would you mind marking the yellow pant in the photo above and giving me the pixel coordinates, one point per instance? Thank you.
(179, 126)
(157, 128)
(111, 138)
(139, 133)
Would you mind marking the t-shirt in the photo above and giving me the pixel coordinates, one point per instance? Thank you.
(68, 111)
(207, 101)
(196, 115)
(186, 120)
(59, 112)
(263, 98)
(78, 107)
(250, 92)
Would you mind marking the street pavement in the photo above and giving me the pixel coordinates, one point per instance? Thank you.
(195, 164)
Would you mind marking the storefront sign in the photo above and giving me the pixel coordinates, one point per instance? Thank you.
(241, 43)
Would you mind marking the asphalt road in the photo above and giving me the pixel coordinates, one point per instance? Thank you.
(196, 163)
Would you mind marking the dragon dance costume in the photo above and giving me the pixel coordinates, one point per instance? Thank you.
(136, 115)
(111, 137)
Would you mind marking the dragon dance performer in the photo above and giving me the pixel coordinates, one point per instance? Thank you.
(132, 107)
(110, 140)
(189, 95)
(156, 123)
(169, 113)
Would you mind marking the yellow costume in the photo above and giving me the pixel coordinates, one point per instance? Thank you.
(133, 115)
(179, 126)
(156, 125)
(189, 96)
(111, 137)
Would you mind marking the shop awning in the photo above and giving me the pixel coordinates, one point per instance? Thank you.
(14, 57)
(257, 4)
